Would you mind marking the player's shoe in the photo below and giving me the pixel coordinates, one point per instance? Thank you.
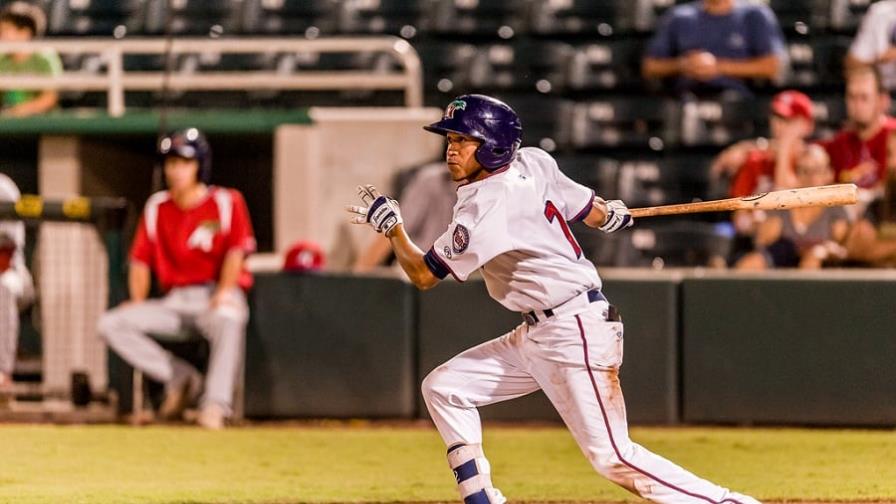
(179, 395)
(738, 498)
(211, 417)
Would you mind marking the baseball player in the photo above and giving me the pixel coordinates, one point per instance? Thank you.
(510, 222)
(16, 285)
(195, 238)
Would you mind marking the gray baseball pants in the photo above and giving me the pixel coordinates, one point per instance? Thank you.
(16, 293)
(128, 329)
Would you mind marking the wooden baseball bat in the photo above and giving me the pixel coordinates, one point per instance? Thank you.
(829, 195)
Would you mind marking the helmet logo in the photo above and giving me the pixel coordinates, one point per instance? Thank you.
(455, 105)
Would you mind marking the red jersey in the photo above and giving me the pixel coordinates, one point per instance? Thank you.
(188, 246)
(847, 150)
(756, 175)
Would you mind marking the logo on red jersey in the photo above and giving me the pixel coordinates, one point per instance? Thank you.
(461, 239)
(204, 236)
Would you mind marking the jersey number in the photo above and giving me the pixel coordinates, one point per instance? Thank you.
(551, 213)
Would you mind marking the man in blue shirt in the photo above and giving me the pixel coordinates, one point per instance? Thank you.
(714, 45)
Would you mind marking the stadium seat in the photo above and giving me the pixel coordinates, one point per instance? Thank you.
(595, 17)
(290, 17)
(637, 122)
(606, 65)
(830, 114)
(718, 122)
(829, 53)
(94, 17)
(544, 120)
(446, 66)
(845, 15)
(193, 17)
(680, 243)
(393, 17)
(801, 16)
(504, 18)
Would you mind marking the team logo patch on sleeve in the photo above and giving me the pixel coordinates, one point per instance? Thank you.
(461, 239)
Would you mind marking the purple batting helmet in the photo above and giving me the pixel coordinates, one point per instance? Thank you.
(189, 143)
(487, 119)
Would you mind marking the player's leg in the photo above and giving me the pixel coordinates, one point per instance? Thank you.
(9, 336)
(485, 374)
(16, 293)
(225, 329)
(126, 330)
(582, 381)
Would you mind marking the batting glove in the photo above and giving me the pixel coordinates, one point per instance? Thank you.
(381, 212)
(618, 216)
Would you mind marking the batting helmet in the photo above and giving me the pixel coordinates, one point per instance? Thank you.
(189, 143)
(486, 119)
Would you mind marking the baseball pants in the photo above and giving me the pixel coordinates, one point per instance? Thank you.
(575, 359)
(127, 330)
(16, 293)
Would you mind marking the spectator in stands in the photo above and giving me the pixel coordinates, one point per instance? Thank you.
(715, 45)
(858, 152)
(759, 166)
(427, 203)
(875, 43)
(195, 238)
(21, 22)
(802, 237)
(16, 286)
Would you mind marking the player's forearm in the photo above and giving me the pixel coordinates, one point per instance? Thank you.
(410, 257)
(598, 214)
(765, 67)
(138, 282)
(657, 68)
(230, 270)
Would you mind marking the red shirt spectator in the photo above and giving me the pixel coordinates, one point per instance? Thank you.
(791, 122)
(847, 151)
(187, 246)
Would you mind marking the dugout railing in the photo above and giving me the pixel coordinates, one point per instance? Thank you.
(113, 78)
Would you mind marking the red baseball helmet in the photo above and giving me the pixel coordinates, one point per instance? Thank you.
(304, 256)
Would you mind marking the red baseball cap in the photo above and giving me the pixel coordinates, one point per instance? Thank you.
(304, 256)
(790, 104)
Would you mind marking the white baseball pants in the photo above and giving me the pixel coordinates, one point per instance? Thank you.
(16, 293)
(575, 359)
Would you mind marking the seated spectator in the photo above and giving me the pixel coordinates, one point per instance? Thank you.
(427, 205)
(760, 166)
(21, 22)
(807, 238)
(875, 43)
(715, 45)
(16, 286)
(858, 152)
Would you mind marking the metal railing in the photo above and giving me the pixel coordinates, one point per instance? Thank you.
(116, 80)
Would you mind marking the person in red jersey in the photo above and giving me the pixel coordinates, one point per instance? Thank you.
(194, 237)
(859, 151)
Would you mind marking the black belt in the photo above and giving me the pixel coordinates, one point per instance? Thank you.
(594, 295)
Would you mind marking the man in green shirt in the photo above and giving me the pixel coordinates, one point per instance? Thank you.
(20, 22)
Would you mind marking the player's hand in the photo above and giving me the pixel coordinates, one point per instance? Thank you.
(618, 217)
(381, 212)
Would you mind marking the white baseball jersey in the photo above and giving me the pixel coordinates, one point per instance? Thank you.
(877, 34)
(513, 226)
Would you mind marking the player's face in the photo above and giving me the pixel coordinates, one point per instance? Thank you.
(461, 156)
(181, 173)
(863, 101)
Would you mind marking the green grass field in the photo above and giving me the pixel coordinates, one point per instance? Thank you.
(370, 463)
